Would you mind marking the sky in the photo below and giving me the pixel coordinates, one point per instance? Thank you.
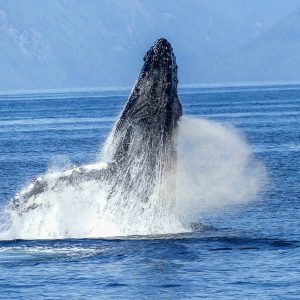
(62, 44)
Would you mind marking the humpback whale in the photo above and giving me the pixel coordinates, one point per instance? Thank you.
(140, 152)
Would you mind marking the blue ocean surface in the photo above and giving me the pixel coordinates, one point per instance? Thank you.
(246, 251)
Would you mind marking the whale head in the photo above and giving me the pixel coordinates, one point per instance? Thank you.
(143, 143)
(153, 109)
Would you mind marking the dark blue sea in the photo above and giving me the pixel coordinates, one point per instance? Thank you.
(246, 251)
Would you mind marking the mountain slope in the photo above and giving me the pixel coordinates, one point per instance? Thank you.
(272, 57)
(69, 43)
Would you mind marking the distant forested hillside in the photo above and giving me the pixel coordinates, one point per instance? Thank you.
(72, 44)
(272, 56)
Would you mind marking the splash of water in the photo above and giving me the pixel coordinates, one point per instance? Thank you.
(215, 168)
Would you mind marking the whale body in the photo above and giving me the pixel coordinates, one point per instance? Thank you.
(140, 152)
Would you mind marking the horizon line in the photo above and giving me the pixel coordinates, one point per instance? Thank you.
(128, 88)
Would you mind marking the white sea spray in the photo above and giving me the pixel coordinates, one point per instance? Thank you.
(215, 168)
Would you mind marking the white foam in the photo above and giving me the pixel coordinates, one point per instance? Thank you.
(215, 169)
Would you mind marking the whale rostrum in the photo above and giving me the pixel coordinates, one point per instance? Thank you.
(140, 152)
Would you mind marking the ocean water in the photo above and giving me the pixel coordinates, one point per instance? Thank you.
(249, 250)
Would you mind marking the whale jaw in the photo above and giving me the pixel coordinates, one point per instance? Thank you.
(153, 108)
(154, 97)
(144, 140)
